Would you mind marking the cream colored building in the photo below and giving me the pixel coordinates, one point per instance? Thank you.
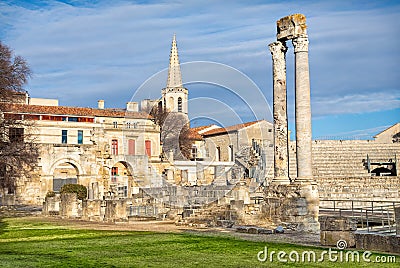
(111, 151)
(389, 135)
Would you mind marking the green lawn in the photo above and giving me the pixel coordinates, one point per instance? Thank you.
(25, 242)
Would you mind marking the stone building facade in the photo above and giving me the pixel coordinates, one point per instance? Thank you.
(99, 148)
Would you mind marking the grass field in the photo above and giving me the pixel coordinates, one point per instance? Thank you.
(27, 242)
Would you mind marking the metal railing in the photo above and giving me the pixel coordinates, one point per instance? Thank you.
(372, 216)
(142, 211)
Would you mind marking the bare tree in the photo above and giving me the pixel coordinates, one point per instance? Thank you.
(14, 74)
(175, 132)
(18, 152)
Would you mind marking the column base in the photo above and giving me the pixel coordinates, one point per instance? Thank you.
(280, 181)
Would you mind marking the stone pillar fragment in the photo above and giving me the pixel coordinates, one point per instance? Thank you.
(303, 110)
(281, 153)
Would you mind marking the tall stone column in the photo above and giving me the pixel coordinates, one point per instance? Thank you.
(281, 153)
(303, 110)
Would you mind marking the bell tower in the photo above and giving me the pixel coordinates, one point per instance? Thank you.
(174, 95)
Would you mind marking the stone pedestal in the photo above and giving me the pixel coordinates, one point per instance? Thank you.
(293, 206)
(337, 228)
(220, 176)
(70, 206)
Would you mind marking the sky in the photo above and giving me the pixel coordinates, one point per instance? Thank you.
(83, 51)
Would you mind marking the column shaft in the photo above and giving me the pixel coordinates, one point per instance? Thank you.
(281, 153)
(303, 110)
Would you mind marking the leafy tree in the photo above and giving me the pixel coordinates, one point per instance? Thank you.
(18, 152)
(80, 190)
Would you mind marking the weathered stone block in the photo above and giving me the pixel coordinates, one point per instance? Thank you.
(51, 206)
(378, 242)
(330, 238)
(70, 206)
(337, 223)
(291, 27)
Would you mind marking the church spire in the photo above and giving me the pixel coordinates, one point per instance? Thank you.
(174, 70)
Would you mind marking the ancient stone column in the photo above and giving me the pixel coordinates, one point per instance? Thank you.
(281, 153)
(303, 110)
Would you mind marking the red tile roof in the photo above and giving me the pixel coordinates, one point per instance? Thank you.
(197, 129)
(64, 110)
(218, 131)
(194, 135)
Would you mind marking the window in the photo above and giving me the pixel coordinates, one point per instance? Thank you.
(114, 171)
(64, 136)
(80, 136)
(114, 147)
(218, 154)
(13, 116)
(114, 174)
(32, 117)
(148, 147)
(131, 147)
(128, 124)
(72, 119)
(180, 104)
(159, 106)
(52, 118)
(230, 152)
(16, 134)
(194, 152)
(115, 124)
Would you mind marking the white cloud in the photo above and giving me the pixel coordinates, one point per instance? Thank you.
(106, 50)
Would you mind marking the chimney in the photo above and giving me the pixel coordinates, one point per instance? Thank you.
(100, 104)
(132, 106)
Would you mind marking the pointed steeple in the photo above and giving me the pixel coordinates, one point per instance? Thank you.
(174, 70)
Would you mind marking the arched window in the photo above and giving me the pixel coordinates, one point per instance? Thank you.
(180, 104)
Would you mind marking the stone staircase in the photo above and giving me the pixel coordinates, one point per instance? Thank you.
(335, 158)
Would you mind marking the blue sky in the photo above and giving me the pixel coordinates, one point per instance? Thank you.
(83, 51)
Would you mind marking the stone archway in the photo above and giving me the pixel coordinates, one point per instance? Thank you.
(121, 183)
(64, 173)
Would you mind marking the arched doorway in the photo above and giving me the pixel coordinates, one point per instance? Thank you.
(64, 173)
(121, 182)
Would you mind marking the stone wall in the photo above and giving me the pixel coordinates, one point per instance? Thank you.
(361, 188)
(345, 158)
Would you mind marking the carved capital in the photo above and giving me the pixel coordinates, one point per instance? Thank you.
(278, 50)
(300, 44)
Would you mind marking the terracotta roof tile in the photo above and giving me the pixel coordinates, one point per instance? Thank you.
(194, 135)
(233, 128)
(65, 110)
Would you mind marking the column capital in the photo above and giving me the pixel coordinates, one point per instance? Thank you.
(300, 44)
(277, 49)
